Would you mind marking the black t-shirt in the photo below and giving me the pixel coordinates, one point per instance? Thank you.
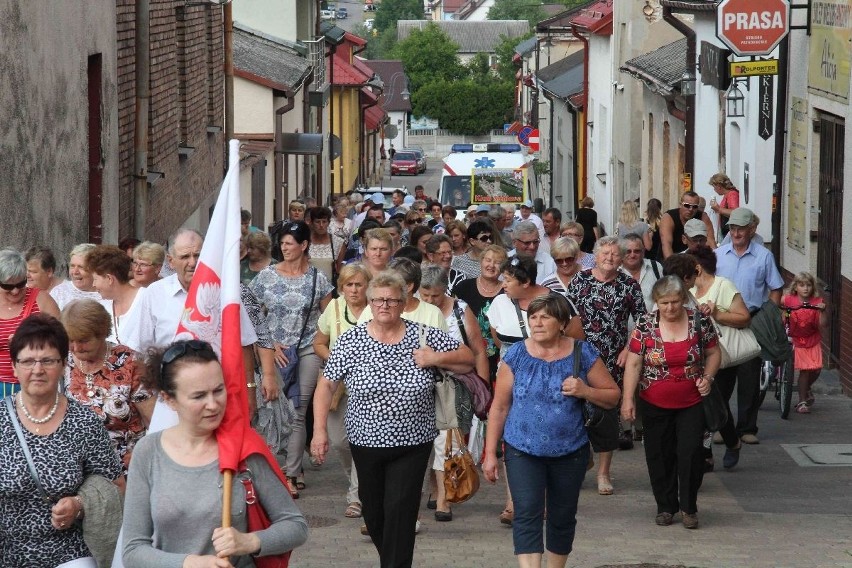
(589, 219)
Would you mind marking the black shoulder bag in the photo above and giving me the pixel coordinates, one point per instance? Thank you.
(601, 424)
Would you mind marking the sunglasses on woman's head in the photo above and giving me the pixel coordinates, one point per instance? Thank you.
(178, 350)
(10, 287)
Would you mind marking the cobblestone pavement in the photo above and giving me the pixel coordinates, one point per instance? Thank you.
(767, 512)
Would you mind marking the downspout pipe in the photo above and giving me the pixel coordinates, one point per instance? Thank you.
(229, 71)
(674, 111)
(780, 138)
(584, 182)
(552, 101)
(279, 154)
(689, 34)
(140, 135)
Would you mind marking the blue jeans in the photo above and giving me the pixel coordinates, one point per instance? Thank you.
(537, 483)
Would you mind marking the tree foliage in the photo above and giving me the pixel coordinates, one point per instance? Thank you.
(390, 11)
(380, 45)
(429, 55)
(515, 10)
(505, 52)
(466, 106)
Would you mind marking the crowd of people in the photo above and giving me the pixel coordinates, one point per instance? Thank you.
(347, 314)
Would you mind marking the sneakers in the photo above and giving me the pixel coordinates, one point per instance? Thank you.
(690, 521)
(663, 519)
(732, 457)
(749, 439)
(803, 407)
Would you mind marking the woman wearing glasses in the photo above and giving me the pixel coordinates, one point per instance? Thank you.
(576, 231)
(388, 364)
(564, 251)
(294, 294)
(40, 521)
(173, 507)
(16, 303)
(148, 259)
(467, 265)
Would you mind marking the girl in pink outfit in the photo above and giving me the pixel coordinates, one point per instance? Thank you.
(805, 315)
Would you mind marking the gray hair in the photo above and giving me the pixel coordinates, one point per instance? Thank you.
(631, 238)
(388, 279)
(496, 214)
(667, 286)
(417, 203)
(178, 234)
(564, 246)
(82, 249)
(433, 277)
(12, 265)
(608, 241)
(525, 228)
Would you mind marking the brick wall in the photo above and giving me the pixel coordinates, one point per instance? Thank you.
(187, 96)
(845, 366)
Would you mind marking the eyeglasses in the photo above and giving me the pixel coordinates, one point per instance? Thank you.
(565, 260)
(48, 363)
(690, 205)
(389, 302)
(484, 238)
(10, 287)
(573, 235)
(137, 264)
(634, 251)
(533, 243)
(421, 209)
(178, 350)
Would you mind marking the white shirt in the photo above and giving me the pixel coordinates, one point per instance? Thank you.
(124, 325)
(65, 293)
(647, 279)
(545, 266)
(160, 310)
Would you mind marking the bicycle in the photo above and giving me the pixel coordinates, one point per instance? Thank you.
(780, 372)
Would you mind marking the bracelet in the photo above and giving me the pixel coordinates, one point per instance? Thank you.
(251, 385)
(80, 503)
(710, 378)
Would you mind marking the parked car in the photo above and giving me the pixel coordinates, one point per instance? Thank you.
(327, 15)
(421, 158)
(369, 7)
(342, 13)
(404, 163)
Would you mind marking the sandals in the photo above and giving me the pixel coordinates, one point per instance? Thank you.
(294, 489)
(353, 511)
(300, 482)
(604, 485)
(507, 516)
(803, 408)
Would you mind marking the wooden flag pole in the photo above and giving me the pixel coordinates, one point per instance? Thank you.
(227, 483)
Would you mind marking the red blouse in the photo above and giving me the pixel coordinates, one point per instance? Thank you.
(7, 329)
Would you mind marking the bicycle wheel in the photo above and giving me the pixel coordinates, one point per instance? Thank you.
(766, 371)
(785, 386)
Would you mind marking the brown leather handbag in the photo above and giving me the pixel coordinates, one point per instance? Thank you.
(461, 480)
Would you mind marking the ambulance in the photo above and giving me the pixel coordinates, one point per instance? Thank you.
(486, 173)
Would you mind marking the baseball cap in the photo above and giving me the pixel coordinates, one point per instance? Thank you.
(472, 209)
(527, 204)
(695, 228)
(377, 197)
(408, 200)
(483, 208)
(741, 217)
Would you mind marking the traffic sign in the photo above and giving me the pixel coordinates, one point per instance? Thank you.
(524, 135)
(752, 27)
(533, 140)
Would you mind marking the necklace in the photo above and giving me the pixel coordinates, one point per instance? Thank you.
(346, 315)
(38, 420)
(488, 291)
(90, 377)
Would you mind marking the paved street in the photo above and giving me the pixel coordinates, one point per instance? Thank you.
(767, 512)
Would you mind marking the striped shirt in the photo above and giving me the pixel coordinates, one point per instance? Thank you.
(7, 329)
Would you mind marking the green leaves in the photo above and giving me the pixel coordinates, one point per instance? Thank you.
(466, 106)
(429, 55)
(389, 11)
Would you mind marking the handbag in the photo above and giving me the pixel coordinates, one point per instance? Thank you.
(601, 424)
(461, 480)
(257, 520)
(290, 372)
(714, 406)
(737, 345)
(445, 393)
(481, 395)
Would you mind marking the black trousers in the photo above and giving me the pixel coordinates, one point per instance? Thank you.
(674, 454)
(389, 485)
(726, 380)
(748, 395)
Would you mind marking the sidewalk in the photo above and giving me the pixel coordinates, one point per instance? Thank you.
(766, 512)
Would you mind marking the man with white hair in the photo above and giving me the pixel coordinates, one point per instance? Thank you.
(526, 239)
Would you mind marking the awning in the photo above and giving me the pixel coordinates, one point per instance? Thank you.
(563, 79)
(374, 117)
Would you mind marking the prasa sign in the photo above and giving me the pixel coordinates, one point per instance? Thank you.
(752, 27)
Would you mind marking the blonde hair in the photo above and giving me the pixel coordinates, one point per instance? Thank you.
(722, 181)
(629, 213)
(497, 251)
(154, 253)
(804, 278)
(587, 202)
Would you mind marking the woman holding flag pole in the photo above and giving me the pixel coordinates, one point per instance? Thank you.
(171, 515)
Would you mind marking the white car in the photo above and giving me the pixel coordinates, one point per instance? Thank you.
(369, 23)
(327, 15)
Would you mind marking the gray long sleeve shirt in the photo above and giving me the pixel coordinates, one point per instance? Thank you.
(170, 510)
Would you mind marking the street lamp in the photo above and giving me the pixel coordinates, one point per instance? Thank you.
(390, 92)
(735, 101)
(687, 83)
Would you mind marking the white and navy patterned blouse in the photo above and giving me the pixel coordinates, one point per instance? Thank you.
(391, 399)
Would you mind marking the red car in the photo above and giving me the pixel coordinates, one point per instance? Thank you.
(404, 163)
